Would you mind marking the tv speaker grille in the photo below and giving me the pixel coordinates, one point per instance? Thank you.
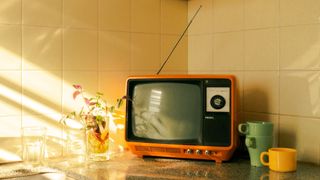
(157, 149)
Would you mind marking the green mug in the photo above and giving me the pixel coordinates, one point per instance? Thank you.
(256, 145)
(256, 128)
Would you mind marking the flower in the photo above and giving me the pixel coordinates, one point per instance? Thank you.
(95, 111)
(96, 116)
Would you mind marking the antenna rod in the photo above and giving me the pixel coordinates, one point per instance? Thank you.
(179, 40)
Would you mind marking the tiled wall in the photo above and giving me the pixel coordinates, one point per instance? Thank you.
(48, 45)
(273, 48)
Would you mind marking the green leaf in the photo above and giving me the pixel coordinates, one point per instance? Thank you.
(112, 109)
(99, 94)
(119, 103)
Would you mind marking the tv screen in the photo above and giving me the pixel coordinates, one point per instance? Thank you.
(166, 111)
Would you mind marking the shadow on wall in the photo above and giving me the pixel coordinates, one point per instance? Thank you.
(288, 138)
(257, 101)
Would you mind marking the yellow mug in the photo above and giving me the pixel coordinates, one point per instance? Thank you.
(280, 159)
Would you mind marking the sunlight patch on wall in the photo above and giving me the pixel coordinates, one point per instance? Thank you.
(5, 55)
(32, 94)
(8, 156)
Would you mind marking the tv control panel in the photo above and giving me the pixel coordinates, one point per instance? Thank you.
(218, 99)
(218, 111)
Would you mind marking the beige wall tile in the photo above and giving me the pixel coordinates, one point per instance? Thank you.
(114, 51)
(228, 51)
(10, 47)
(294, 12)
(178, 62)
(113, 85)
(142, 72)
(261, 13)
(10, 11)
(302, 134)
(299, 93)
(261, 49)
(261, 91)
(80, 50)
(145, 16)
(265, 117)
(42, 48)
(200, 72)
(10, 93)
(200, 53)
(10, 138)
(299, 47)
(228, 15)
(239, 87)
(80, 14)
(13, 152)
(145, 51)
(115, 14)
(173, 16)
(42, 12)
(53, 126)
(89, 82)
(203, 22)
(8, 128)
(41, 92)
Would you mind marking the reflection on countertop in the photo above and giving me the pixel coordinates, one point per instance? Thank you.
(129, 166)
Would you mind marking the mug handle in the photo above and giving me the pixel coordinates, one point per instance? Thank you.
(246, 129)
(250, 141)
(262, 160)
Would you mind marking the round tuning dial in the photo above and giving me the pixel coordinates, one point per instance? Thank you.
(218, 102)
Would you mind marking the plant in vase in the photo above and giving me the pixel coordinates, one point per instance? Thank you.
(94, 115)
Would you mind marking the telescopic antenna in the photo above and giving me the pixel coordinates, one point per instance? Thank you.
(185, 30)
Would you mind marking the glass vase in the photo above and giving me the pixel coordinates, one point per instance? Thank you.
(97, 140)
(74, 140)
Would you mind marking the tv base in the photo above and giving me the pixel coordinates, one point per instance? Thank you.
(200, 153)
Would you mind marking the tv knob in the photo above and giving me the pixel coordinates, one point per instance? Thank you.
(207, 152)
(189, 151)
(218, 102)
(198, 152)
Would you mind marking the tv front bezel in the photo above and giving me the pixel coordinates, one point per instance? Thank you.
(225, 151)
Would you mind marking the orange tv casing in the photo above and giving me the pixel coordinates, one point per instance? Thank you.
(215, 153)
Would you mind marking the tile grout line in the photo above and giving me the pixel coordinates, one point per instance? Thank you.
(279, 75)
(161, 36)
(21, 66)
(62, 69)
(131, 37)
(98, 47)
(243, 62)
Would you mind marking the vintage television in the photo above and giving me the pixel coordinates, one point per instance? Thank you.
(181, 116)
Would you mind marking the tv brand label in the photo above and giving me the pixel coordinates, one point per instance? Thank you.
(209, 117)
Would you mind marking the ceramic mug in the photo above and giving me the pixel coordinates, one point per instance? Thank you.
(280, 159)
(256, 145)
(256, 128)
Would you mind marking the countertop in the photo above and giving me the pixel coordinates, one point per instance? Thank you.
(128, 166)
